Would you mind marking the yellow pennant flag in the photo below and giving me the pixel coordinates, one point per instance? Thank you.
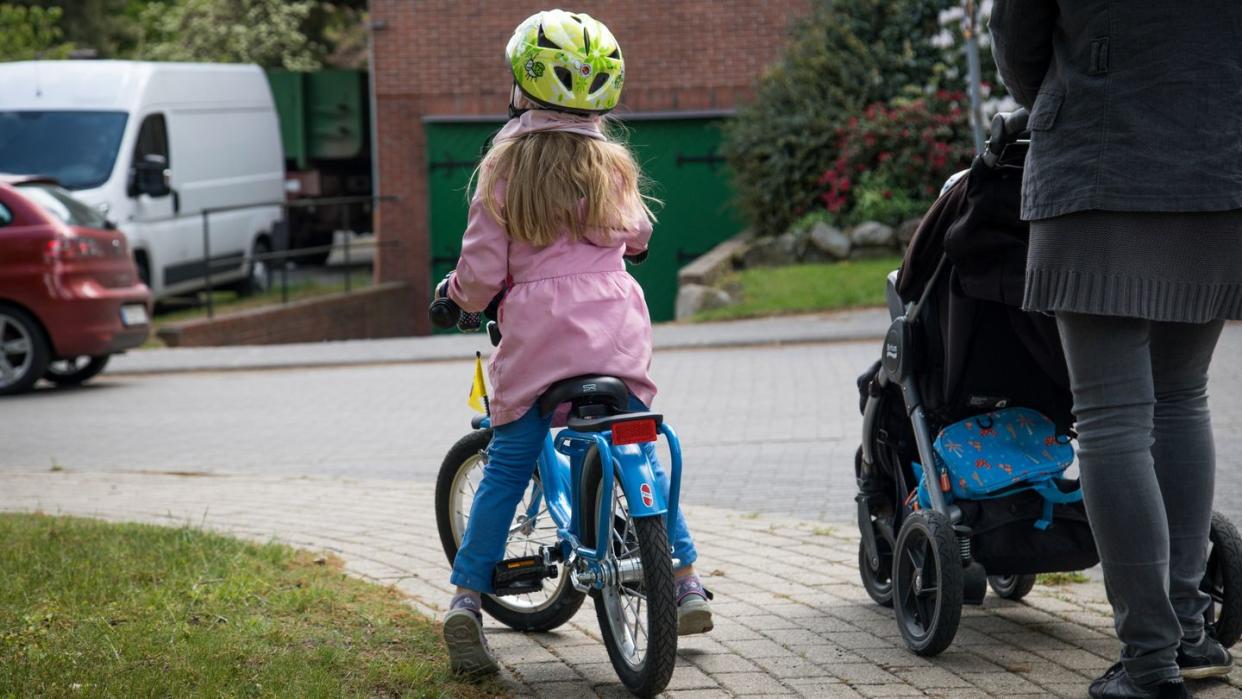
(478, 390)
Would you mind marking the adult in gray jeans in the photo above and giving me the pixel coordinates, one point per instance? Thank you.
(1133, 187)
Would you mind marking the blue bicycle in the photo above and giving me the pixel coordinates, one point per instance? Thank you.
(586, 524)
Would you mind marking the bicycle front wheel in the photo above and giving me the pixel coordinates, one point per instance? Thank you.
(638, 619)
(543, 610)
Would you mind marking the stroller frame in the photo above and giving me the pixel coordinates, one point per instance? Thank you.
(937, 540)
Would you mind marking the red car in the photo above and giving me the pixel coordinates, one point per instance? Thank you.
(69, 291)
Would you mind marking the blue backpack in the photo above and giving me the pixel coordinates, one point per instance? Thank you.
(1001, 453)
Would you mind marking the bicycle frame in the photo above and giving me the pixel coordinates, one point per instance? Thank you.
(560, 467)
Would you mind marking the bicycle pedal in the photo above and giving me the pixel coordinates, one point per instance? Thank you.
(519, 576)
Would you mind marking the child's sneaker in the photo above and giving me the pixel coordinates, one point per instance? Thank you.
(694, 611)
(1207, 658)
(463, 634)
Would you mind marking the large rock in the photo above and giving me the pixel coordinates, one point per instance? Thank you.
(873, 234)
(830, 240)
(791, 246)
(774, 252)
(694, 298)
(905, 232)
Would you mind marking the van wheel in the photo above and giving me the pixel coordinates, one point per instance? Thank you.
(75, 370)
(144, 269)
(258, 273)
(23, 351)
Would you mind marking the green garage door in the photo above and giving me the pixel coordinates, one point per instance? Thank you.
(679, 155)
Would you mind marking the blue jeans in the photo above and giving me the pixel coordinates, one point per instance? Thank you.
(511, 461)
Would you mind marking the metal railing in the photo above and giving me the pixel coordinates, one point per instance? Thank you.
(281, 257)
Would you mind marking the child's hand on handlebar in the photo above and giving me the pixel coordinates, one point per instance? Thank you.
(442, 287)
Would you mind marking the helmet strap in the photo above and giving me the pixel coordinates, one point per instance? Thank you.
(514, 110)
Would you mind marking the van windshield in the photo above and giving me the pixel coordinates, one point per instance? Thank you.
(78, 148)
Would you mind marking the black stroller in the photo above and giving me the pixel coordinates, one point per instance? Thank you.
(960, 347)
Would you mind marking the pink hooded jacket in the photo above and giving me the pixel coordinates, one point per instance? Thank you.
(571, 307)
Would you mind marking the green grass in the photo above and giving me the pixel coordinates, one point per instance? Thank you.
(768, 291)
(95, 609)
(1074, 578)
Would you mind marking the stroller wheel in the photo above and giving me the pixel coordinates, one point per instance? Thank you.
(927, 582)
(877, 581)
(1012, 587)
(1223, 581)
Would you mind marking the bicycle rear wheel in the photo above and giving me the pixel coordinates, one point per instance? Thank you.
(638, 620)
(550, 607)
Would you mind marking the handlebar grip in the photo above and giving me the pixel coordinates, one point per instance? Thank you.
(444, 313)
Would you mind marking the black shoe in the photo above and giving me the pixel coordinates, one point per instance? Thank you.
(1116, 684)
(1207, 658)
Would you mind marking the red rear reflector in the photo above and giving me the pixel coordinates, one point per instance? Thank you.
(634, 431)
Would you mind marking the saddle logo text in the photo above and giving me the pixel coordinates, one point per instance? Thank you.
(891, 350)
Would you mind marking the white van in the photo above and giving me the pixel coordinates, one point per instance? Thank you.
(153, 145)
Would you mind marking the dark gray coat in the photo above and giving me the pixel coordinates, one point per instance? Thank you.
(1136, 105)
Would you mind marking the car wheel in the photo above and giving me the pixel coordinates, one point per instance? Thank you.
(23, 351)
(75, 370)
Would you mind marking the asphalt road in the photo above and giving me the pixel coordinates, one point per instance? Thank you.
(765, 429)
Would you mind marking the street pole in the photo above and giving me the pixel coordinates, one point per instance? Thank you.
(975, 75)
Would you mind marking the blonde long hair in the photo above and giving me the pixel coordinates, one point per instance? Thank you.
(560, 183)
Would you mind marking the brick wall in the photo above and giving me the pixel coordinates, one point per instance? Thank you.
(379, 311)
(446, 57)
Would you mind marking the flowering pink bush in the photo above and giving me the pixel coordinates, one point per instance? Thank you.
(907, 148)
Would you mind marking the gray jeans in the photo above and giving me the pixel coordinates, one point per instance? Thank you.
(1148, 466)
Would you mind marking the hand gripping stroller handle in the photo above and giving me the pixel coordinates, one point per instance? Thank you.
(1006, 128)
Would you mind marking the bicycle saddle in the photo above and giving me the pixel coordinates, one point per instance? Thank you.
(606, 391)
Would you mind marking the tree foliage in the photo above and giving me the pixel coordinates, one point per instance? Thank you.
(843, 56)
(266, 32)
(292, 34)
(31, 32)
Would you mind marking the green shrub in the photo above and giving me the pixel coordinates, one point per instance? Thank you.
(845, 55)
(891, 160)
(876, 199)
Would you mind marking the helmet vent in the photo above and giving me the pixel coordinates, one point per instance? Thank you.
(576, 18)
(545, 42)
(616, 53)
(564, 76)
(600, 80)
(586, 40)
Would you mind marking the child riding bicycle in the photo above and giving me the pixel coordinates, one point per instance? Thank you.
(556, 209)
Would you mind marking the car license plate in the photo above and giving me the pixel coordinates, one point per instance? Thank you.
(134, 314)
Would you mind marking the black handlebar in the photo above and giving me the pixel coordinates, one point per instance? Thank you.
(444, 313)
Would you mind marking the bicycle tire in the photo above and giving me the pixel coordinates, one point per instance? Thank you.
(568, 600)
(652, 674)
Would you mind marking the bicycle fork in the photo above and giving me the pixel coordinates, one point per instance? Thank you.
(597, 566)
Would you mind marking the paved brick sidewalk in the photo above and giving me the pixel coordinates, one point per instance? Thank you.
(791, 615)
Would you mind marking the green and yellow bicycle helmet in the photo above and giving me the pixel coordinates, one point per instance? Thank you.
(567, 61)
